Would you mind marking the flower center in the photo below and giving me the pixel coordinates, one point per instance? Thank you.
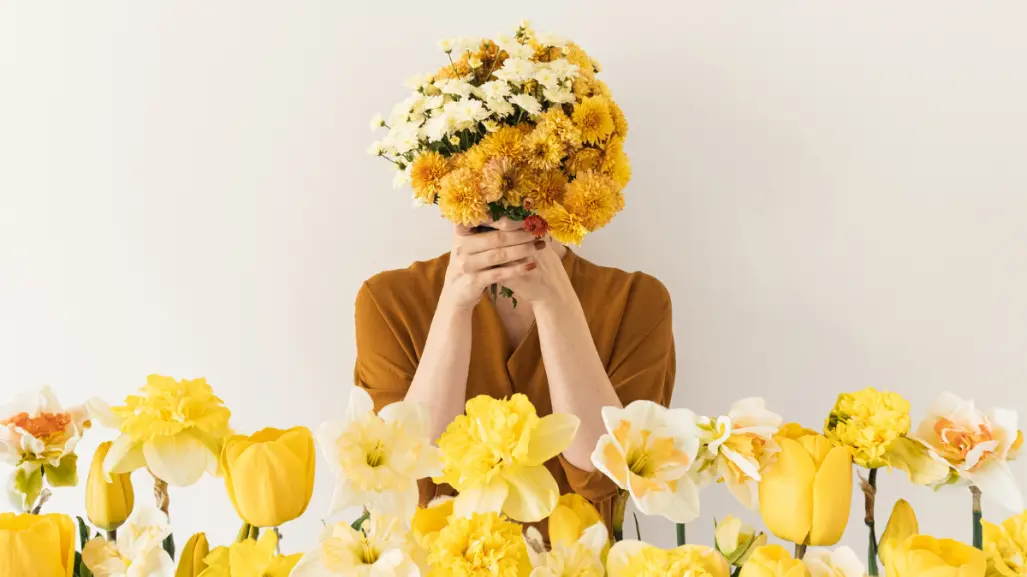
(41, 426)
(957, 442)
(368, 554)
(376, 455)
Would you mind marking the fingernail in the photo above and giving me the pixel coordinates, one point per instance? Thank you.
(530, 266)
(540, 244)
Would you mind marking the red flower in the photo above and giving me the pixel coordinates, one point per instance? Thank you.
(536, 225)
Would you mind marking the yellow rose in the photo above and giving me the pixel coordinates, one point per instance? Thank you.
(108, 503)
(773, 561)
(37, 545)
(806, 494)
(867, 422)
(190, 561)
(270, 474)
(1005, 546)
(736, 540)
(925, 556)
(901, 526)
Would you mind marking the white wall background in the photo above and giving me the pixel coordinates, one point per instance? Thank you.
(832, 191)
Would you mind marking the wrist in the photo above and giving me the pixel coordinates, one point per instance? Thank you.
(558, 302)
(451, 307)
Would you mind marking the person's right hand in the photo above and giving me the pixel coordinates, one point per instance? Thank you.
(480, 259)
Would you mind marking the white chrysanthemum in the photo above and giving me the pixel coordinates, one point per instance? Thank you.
(500, 108)
(437, 127)
(377, 122)
(375, 149)
(447, 45)
(467, 44)
(495, 90)
(466, 113)
(418, 81)
(434, 102)
(516, 70)
(404, 137)
(460, 88)
(563, 68)
(547, 78)
(491, 125)
(529, 103)
(549, 39)
(559, 96)
(401, 179)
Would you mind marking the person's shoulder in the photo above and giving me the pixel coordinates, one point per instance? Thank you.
(613, 285)
(418, 282)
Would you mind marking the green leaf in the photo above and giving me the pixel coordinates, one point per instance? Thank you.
(83, 533)
(80, 568)
(169, 545)
(28, 482)
(359, 522)
(65, 474)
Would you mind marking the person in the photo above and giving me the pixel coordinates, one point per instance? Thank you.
(581, 337)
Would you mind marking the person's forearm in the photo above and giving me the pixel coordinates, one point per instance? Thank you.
(578, 383)
(440, 382)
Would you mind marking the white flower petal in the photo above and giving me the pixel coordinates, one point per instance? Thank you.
(997, 484)
(124, 456)
(180, 460)
(487, 499)
(311, 564)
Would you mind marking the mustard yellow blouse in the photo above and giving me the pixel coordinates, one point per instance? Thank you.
(629, 315)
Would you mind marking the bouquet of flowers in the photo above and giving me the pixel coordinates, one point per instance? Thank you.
(513, 126)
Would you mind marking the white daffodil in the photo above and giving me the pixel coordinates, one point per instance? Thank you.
(582, 558)
(382, 548)
(38, 437)
(528, 103)
(737, 447)
(842, 562)
(138, 552)
(377, 459)
(648, 451)
(975, 445)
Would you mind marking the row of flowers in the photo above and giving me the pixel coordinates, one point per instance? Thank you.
(494, 455)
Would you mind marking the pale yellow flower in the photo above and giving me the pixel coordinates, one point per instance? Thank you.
(773, 561)
(867, 422)
(648, 451)
(570, 519)
(138, 551)
(250, 558)
(482, 545)
(377, 459)
(173, 428)
(495, 456)
(737, 447)
(737, 540)
(637, 559)
(902, 524)
(924, 556)
(842, 562)
(1005, 546)
(579, 558)
(382, 548)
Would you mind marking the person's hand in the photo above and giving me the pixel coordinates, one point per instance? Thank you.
(547, 283)
(480, 259)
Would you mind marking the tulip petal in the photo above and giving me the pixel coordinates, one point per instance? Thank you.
(179, 460)
(832, 497)
(551, 437)
(997, 484)
(488, 499)
(533, 493)
(786, 493)
(619, 560)
(124, 456)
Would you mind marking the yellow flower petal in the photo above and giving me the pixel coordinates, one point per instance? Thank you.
(902, 524)
(487, 499)
(786, 492)
(552, 435)
(533, 493)
(832, 497)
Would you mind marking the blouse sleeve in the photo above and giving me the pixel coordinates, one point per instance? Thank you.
(384, 367)
(642, 366)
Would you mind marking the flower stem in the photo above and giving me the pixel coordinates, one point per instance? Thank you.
(800, 551)
(163, 499)
(243, 534)
(112, 536)
(638, 529)
(978, 529)
(278, 542)
(869, 498)
(681, 534)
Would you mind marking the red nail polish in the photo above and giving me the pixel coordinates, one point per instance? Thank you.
(530, 266)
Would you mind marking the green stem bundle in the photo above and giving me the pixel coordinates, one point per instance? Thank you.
(869, 498)
(978, 528)
(681, 534)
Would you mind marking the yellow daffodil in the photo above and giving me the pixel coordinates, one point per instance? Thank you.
(579, 558)
(1005, 546)
(38, 437)
(773, 561)
(867, 422)
(37, 545)
(637, 559)
(108, 502)
(173, 428)
(736, 540)
(377, 459)
(571, 517)
(915, 459)
(249, 558)
(902, 525)
(648, 451)
(270, 474)
(191, 558)
(736, 448)
(425, 527)
(495, 456)
(842, 562)
(482, 545)
(805, 496)
(975, 445)
(138, 551)
(382, 548)
(925, 556)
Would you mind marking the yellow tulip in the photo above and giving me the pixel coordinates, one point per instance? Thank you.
(191, 561)
(901, 526)
(806, 494)
(37, 545)
(925, 556)
(774, 561)
(736, 540)
(108, 503)
(270, 474)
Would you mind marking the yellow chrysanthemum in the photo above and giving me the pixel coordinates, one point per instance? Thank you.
(620, 122)
(507, 142)
(600, 88)
(564, 226)
(426, 175)
(461, 199)
(637, 559)
(1005, 546)
(867, 422)
(483, 545)
(592, 115)
(495, 456)
(558, 123)
(582, 160)
(615, 162)
(174, 428)
(547, 188)
(505, 179)
(592, 198)
(581, 59)
(543, 149)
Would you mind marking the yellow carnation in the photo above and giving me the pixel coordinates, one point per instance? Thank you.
(461, 199)
(592, 115)
(483, 545)
(564, 226)
(426, 175)
(1005, 546)
(543, 149)
(592, 198)
(867, 422)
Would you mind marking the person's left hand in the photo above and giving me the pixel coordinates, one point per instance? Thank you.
(546, 284)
